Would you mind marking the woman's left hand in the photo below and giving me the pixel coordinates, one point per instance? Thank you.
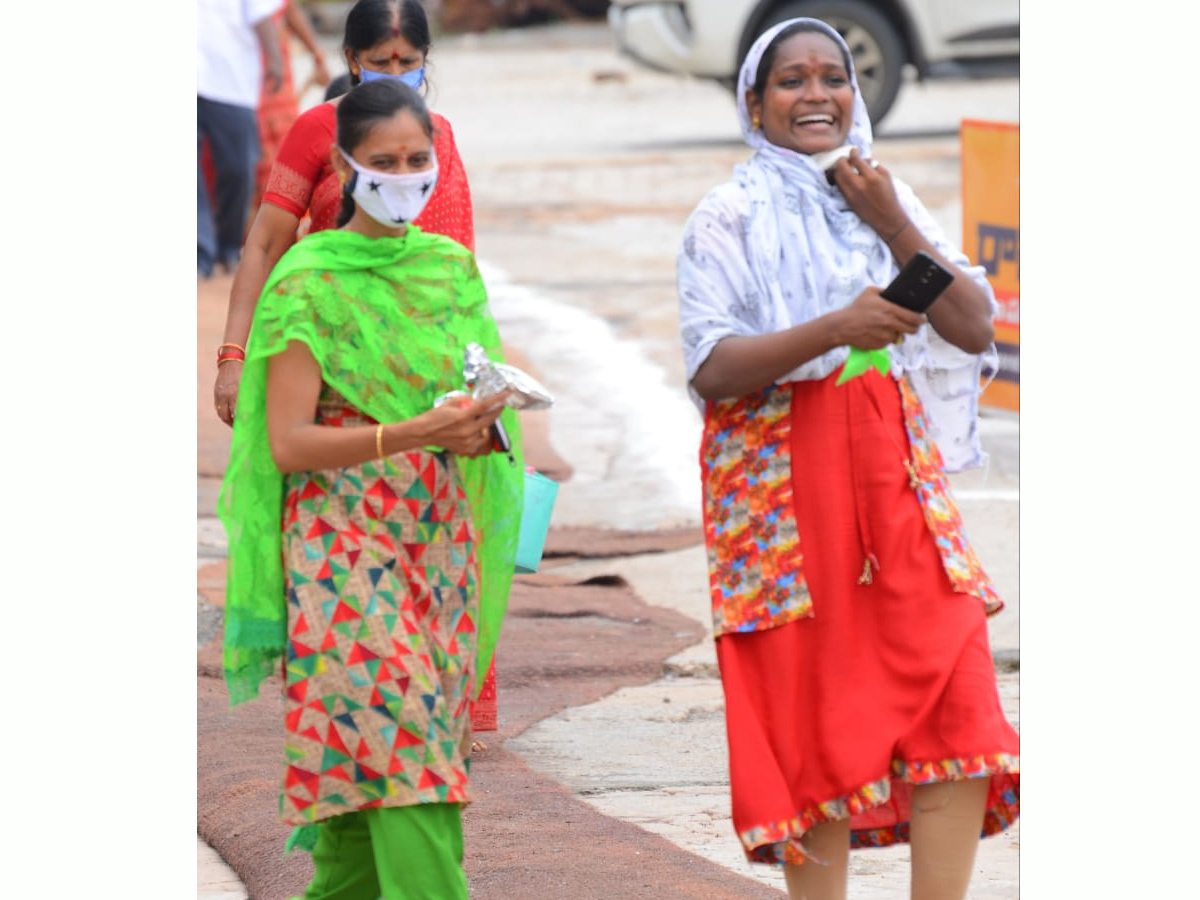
(867, 187)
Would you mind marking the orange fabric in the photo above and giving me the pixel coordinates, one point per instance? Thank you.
(276, 112)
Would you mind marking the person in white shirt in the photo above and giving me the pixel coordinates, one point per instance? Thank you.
(234, 38)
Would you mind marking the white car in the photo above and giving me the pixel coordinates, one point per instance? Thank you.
(938, 38)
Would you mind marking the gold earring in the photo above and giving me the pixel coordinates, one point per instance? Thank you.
(755, 123)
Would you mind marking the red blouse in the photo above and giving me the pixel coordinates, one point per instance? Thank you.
(303, 179)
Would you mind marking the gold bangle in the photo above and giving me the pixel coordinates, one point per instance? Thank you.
(379, 440)
(226, 359)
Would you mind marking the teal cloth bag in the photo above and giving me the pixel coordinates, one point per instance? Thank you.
(540, 495)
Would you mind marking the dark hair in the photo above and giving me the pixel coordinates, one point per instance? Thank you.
(361, 109)
(768, 57)
(338, 86)
(372, 22)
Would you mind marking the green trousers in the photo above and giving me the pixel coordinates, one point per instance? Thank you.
(398, 853)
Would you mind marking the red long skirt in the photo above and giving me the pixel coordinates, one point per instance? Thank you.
(484, 713)
(891, 683)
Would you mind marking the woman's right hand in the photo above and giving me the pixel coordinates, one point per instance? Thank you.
(463, 427)
(225, 390)
(872, 322)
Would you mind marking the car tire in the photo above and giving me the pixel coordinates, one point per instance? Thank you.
(875, 45)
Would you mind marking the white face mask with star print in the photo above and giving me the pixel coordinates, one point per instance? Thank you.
(392, 200)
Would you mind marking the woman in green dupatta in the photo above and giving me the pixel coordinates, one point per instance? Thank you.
(372, 531)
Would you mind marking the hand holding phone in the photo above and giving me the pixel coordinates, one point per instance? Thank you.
(921, 281)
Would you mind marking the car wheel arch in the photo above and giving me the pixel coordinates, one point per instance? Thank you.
(913, 46)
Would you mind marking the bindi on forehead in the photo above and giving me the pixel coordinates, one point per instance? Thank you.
(811, 46)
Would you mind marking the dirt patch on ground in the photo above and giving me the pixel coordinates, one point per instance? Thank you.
(527, 838)
(579, 542)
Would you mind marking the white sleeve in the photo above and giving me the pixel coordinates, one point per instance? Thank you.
(946, 378)
(256, 10)
(928, 226)
(711, 277)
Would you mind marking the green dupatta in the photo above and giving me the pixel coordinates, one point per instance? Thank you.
(388, 320)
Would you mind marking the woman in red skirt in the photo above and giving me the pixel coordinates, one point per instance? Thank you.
(850, 610)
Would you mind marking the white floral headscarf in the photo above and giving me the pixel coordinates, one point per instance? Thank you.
(784, 248)
(860, 128)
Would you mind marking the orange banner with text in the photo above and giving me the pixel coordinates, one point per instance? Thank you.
(991, 202)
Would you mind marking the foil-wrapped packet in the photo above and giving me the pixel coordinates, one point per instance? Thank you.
(485, 378)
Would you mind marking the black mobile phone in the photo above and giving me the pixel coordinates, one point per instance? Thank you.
(919, 283)
(500, 440)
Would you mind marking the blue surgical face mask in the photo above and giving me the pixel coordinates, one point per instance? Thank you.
(413, 79)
